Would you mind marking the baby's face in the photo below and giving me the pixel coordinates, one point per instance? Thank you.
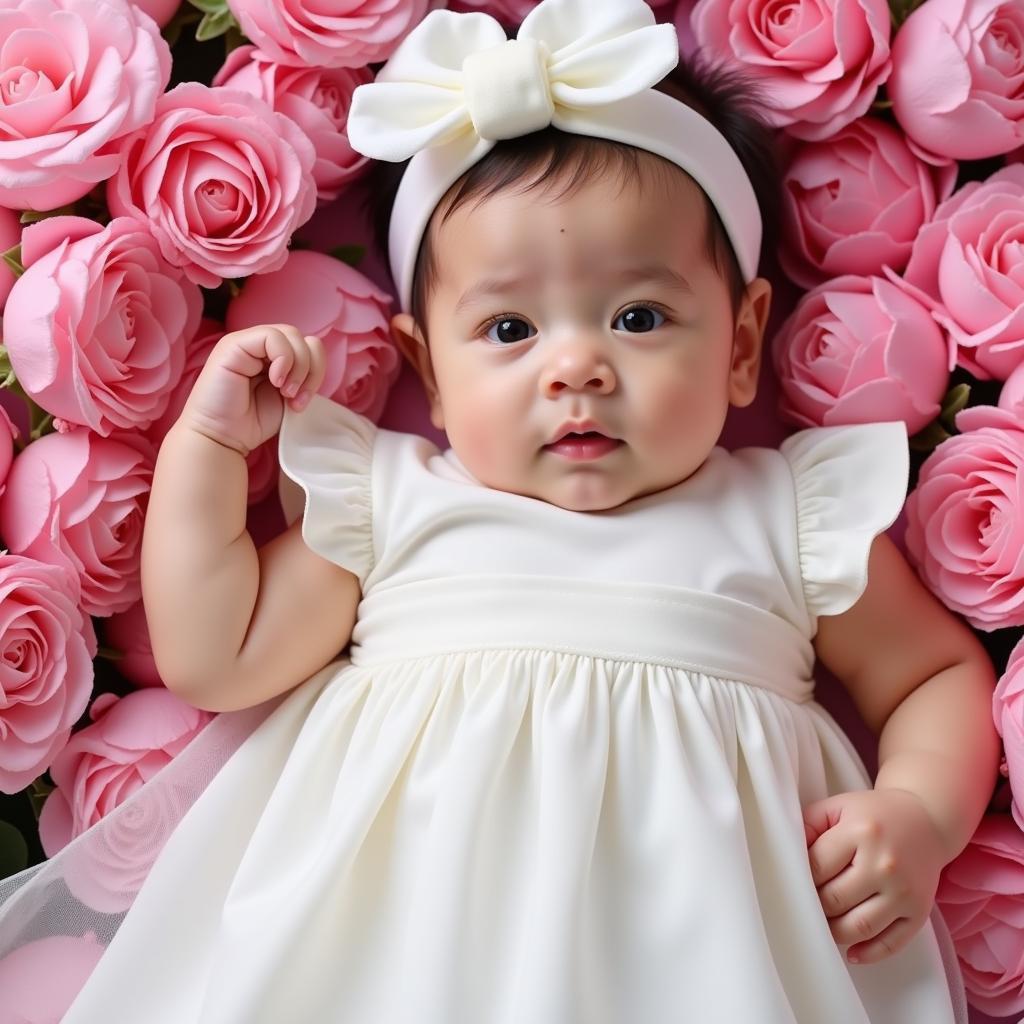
(600, 306)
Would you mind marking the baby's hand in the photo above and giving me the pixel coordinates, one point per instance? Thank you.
(235, 402)
(875, 857)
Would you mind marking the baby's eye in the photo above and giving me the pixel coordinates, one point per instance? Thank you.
(509, 329)
(640, 319)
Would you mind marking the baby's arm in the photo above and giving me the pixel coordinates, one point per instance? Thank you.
(923, 682)
(231, 626)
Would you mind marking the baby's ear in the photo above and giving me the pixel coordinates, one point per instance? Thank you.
(413, 345)
(748, 340)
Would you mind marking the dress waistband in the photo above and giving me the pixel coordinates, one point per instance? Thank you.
(692, 630)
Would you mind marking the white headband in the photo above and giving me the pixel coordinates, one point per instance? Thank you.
(456, 85)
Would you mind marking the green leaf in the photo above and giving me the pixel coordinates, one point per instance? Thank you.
(928, 439)
(34, 216)
(37, 794)
(350, 254)
(13, 259)
(214, 25)
(13, 850)
(109, 653)
(210, 6)
(955, 399)
(185, 16)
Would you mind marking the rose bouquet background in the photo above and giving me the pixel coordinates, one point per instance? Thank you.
(170, 171)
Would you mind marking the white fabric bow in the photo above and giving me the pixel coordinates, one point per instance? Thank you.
(458, 73)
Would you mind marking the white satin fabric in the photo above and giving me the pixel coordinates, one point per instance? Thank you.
(557, 777)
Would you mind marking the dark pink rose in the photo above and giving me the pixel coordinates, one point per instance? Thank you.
(957, 76)
(95, 327)
(1008, 712)
(859, 350)
(965, 263)
(78, 500)
(127, 633)
(47, 646)
(981, 897)
(75, 77)
(220, 179)
(308, 33)
(41, 978)
(965, 524)
(817, 63)
(130, 739)
(324, 296)
(855, 202)
(316, 99)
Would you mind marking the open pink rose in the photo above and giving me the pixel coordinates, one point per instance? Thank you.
(965, 263)
(221, 180)
(324, 296)
(316, 99)
(1008, 712)
(855, 202)
(46, 649)
(75, 77)
(957, 84)
(817, 63)
(981, 897)
(78, 500)
(311, 34)
(965, 523)
(95, 327)
(41, 978)
(130, 739)
(858, 350)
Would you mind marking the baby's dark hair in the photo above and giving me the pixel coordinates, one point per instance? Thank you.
(723, 95)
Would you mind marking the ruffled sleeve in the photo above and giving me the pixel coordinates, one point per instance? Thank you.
(326, 449)
(850, 483)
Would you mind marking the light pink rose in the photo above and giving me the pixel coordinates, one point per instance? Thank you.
(966, 264)
(41, 978)
(957, 77)
(221, 180)
(95, 327)
(129, 740)
(1008, 713)
(161, 11)
(1011, 395)
(8, 434)
(855, 202)
(261, 461)
(308, 33)
(127, 633)
(981, 897)
(75, 77)
(46, 649)
(316, 99)
(858, 350)
(817, 63)
(965, 523)
(324, 296)
(78, 500)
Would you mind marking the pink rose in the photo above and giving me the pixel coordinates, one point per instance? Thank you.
(127, 633)
(324, 296)
(965, 524)
(95, 327)
(855, 202)
(316, 99)
(981, 897)
(76, 76)
(1008, 713)
(1011, 396)
(161, 11)
(312, 34)
(40, 979)
(8, 433)
(965, 264)
(221, 180)
(817, 63)
(956, 78)
(857, 350)
(78, 500)
(130, 739)
(10, 236)
(46, 669)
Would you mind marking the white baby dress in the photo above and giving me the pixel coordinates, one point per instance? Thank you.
(557, 778)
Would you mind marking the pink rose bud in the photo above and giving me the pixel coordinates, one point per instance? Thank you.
(855, 202)
(857, 350)
(243, 173)
(76, 76)
(817, 63)
(78, 500)
(46, 675)
(95, 327)
(1008, 713)
(311, 34)
(956, 77)
(325, 297)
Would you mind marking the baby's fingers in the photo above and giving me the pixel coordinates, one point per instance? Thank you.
(889, 941)
(830, 853)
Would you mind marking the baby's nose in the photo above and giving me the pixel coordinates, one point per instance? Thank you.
(578, 368)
